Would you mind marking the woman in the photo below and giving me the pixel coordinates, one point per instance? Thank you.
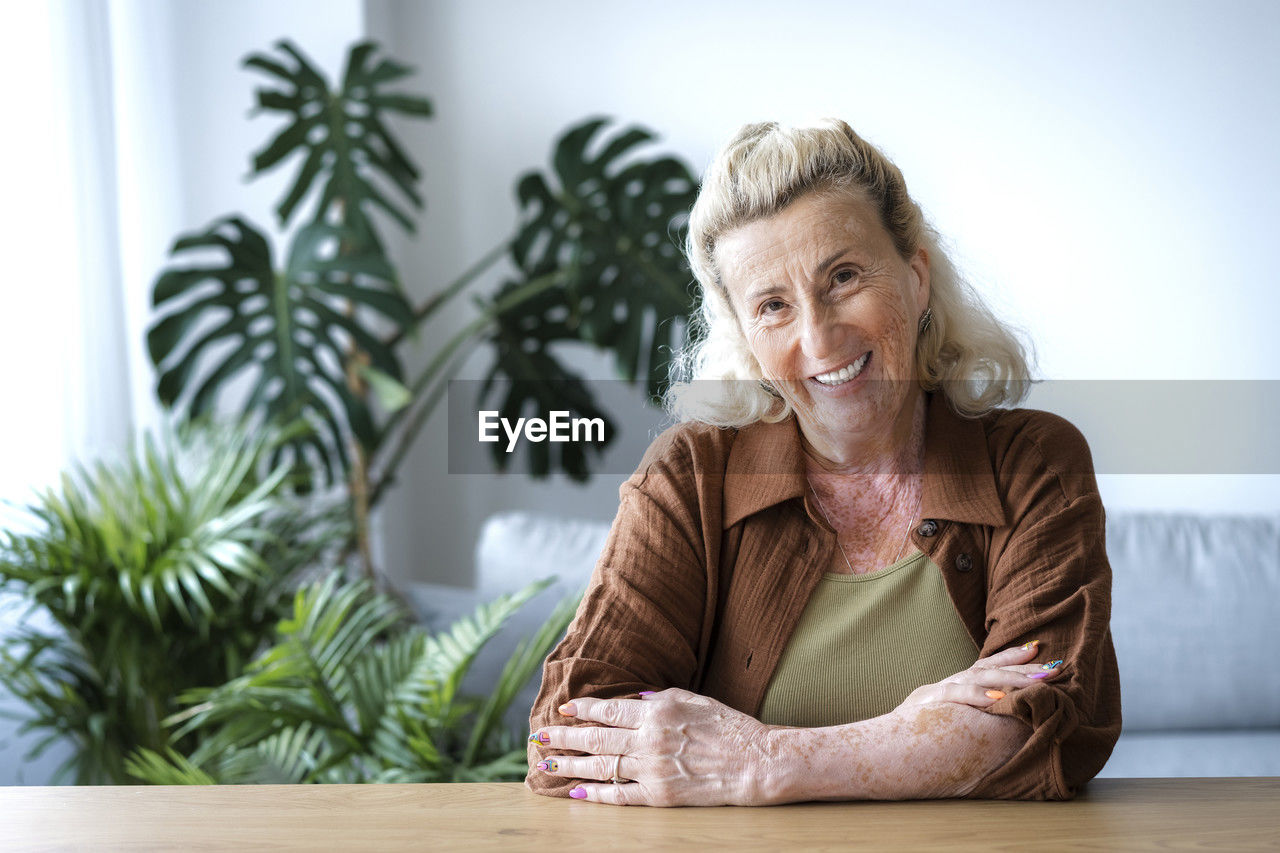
(846, 574)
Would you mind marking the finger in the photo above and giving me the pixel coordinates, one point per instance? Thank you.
(1039, 672)
(1005, 677)
(590, 766)
(966, 694)
(1023, 668)
(628, 794)
(1008, 657)
(620, 713)
(597, 740)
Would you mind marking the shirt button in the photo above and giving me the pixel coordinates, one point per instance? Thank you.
(928, 528)
(963, 563)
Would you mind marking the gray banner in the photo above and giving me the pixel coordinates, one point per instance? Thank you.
(1133, 426)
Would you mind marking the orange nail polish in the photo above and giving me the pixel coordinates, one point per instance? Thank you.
(1030, 645)
(567, 709)
(995, 694)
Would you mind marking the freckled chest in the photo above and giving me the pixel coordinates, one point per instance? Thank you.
(871, 514)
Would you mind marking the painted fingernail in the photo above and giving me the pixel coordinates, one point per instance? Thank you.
(568, 709)
(579, 793)
(543, 765)
(1030, 645)
(647, 692)
(540, 737)
(1053, 664)
(1037, 675)
(995, 694)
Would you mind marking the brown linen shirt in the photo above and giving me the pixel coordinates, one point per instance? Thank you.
(715, 551)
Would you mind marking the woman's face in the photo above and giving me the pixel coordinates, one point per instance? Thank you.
(831, 312)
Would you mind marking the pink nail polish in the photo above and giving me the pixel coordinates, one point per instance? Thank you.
(644, 693)
(542, 765)
(540, 737)
(578, 793)
(568, 709)
(1037, 675)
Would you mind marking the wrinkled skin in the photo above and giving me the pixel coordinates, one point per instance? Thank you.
(682, 749)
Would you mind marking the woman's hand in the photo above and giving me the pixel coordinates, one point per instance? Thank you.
(988, 681)
(673, 748)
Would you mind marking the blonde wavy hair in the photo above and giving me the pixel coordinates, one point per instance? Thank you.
(966, 352)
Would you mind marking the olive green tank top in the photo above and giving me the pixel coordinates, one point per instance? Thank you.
(864, 642)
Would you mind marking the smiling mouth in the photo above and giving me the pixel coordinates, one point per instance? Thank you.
(844, 374)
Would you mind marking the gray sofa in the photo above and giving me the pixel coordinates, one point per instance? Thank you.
(1195, 598)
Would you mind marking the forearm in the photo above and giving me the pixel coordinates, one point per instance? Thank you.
(921, 752)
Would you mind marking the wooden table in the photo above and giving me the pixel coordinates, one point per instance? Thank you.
(1114, 814)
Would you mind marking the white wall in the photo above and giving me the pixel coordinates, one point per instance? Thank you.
(1105, 171)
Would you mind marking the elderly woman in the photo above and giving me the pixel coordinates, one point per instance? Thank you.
(848, 572)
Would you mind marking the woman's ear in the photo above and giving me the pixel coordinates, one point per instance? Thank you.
(920, 270)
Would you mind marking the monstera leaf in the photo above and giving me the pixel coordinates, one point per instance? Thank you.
(291, 330)
(610, 226)
(345, 143)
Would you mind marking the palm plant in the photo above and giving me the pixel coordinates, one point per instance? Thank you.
(595, 260)
(351, 693)
(156, 574)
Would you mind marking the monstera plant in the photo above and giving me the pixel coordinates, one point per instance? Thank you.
(319, 341)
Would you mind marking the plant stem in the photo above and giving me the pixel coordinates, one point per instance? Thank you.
(422, 413)
(358, 478)
(472, 330)
(437, 300)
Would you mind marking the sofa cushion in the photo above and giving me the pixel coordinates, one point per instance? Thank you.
(1195, 598)
(1230, 753)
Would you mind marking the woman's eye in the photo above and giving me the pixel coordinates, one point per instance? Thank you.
(772, 306)
(843, 277)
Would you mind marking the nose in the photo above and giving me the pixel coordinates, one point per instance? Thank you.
(818, 334)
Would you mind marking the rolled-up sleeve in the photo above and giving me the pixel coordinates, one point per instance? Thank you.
(1051, 582)
(640, 623)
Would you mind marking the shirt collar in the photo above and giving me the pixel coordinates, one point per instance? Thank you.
(766, 467)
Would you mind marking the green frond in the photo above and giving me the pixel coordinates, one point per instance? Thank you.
(608, 223)
(455, 649)
(508, 767)
(519, 669)
(165, 570)
(350, 692)
(331, 130)
(288, 331)
(171, 768)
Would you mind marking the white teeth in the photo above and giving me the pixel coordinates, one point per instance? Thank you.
(844, 374)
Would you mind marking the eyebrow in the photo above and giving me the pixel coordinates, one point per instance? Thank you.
(770, 287)
(822, 267)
